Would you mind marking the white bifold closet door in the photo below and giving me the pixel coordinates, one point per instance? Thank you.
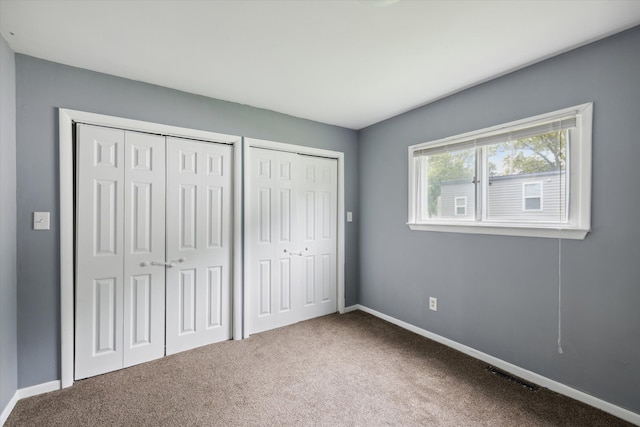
(291, 238)
(120, 205)
(199, 242)
(153, 225)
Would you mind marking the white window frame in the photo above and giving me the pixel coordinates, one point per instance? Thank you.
(540, 184)
(456, 206)
(578, 223)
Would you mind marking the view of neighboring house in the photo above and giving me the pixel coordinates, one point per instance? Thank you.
(534, 196)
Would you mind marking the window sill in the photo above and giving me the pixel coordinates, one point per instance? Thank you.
(523, 230)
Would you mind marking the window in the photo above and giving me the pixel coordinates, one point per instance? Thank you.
(461, 205)
(531, 196)
(531, 177)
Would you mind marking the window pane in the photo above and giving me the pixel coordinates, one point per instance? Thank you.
(532, 204)
(527, 179)
(532, 189)
(445, 178)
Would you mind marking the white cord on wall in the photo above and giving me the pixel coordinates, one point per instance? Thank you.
(560, 263)
(560, 292)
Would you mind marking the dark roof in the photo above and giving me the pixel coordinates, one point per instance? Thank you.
(502, 177)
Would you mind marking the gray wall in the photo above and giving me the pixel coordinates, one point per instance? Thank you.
(8, 274)
(491, 296)
(43, 86)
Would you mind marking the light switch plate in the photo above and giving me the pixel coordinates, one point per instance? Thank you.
(41, 221)
(349, 216)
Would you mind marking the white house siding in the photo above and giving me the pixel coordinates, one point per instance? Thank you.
(452, 189)
(505, 197)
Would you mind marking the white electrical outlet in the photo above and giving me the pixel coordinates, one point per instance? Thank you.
(433, 303)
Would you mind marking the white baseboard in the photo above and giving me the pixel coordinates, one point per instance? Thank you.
(525, 374)
(38, 389)
(7, 410)
(352, 308)
(27, 392)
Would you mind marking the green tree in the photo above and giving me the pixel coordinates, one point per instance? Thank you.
(449, 166)
(540, 153)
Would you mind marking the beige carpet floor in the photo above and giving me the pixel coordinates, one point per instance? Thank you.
(337, 370)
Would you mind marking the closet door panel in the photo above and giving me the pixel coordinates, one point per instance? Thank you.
(144, 248)
(100, 250)
(199, 246)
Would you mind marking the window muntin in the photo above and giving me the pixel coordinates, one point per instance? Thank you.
(546, 156)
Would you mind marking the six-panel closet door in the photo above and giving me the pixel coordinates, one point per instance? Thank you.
(120, 231)
(317, 193)
(154, 220)
(199, 243)
(153, 247)
(291, 243)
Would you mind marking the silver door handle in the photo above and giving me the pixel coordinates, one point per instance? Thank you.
(162, 263)
(146, 264)
(169, 264)
(293, 253)
(176, 261)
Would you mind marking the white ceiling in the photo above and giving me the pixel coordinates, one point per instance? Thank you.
(350, 63)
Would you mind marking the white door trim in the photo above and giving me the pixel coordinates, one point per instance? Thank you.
(339, 156)
(66, 118)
